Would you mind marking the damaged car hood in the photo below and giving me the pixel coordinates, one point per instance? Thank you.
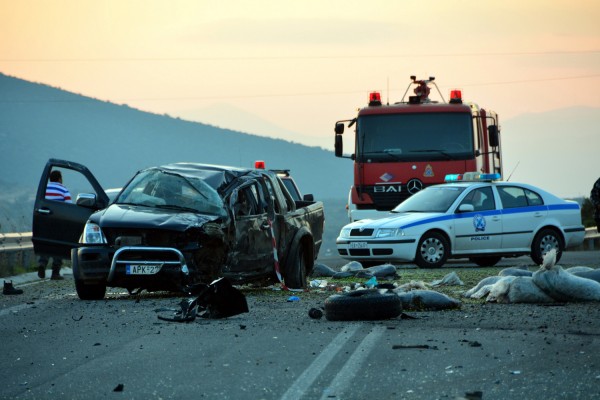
(127, 216)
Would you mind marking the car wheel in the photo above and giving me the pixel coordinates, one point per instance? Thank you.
(362, 305)
(546, 240)
(90, 292)
(485, 261)
(295, 276)
(432, 251)
(85, 291)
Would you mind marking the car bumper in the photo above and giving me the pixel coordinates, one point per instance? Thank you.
(117, 268)
(378, 250)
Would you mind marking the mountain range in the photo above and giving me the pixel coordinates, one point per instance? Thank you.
(555, 150)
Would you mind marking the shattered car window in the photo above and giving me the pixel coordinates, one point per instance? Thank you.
(160, 189)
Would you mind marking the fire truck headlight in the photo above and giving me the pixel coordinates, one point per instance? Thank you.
(388, 232)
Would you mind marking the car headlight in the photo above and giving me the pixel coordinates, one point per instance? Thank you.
(92, 234)
(388, 232)
(345, 232)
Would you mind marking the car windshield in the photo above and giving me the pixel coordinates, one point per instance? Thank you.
(161, 189)
(414, 137)
(431, 199)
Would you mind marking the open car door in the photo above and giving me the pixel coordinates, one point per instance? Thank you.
(57, 225)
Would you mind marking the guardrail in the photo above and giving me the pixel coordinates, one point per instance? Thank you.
(16, 252)
(16, 249)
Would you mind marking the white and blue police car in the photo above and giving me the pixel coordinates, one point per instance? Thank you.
(473, 216)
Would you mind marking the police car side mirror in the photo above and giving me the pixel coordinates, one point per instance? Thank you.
(463, 208)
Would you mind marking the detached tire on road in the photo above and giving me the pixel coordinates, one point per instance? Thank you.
(362, 305)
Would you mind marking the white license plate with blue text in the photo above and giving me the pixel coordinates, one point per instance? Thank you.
(142, 269)
(358, 245)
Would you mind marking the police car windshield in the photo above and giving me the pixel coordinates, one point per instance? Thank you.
(432, 199)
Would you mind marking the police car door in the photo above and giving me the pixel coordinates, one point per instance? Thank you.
(522, 212)
(480, 230)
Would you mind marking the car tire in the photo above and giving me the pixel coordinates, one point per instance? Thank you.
(485, 261)
(90, 292)
(362, 305)
(546, 240)
(432, 251)
(295, 274)
(85, 291)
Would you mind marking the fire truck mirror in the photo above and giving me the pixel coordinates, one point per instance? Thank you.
(339, 128)
(493, 135)
(339, 144)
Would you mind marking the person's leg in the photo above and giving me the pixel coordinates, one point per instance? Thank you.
(42, 263)
(56, 264)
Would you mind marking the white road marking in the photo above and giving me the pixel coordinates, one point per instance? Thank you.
(351, 367)
(298, 388)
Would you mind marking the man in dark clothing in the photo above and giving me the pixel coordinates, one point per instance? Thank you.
(595, 198)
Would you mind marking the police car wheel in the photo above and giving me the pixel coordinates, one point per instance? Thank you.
(432, 251)
(546, 240)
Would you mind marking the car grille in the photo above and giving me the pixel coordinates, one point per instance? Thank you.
(364, 232)
(384, 201)
(148, 237)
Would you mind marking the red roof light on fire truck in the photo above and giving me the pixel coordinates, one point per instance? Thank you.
(259, 164)
(456, 96)
(374, 99)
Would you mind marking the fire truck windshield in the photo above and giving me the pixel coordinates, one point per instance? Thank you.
(414, 137)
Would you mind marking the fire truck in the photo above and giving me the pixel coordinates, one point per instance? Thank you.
(404, 147)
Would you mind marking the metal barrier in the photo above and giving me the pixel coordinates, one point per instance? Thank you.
(16, 252)
(16, 249)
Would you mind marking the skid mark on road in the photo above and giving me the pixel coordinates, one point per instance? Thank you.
(348, 370)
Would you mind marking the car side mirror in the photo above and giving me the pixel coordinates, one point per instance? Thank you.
(308, 197)
(339, 128)
(87, 200)
(339, 145)
(493, 137)
(463, 208)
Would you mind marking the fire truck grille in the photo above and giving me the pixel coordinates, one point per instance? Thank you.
(384, 201)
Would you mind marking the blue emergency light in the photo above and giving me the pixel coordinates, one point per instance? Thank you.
(472, 177)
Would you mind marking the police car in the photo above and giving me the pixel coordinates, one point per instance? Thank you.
(471, 216)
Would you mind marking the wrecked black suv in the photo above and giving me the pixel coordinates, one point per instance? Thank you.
(180, 224)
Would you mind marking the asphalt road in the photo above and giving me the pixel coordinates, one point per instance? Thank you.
(55, 346)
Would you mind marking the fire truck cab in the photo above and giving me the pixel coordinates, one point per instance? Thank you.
(403, 147)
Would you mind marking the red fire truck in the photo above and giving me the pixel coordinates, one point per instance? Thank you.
(403, 147)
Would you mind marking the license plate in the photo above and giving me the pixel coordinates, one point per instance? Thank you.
(358, 245)
(142, 269)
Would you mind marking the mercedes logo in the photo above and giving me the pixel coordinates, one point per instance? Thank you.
(414, 185)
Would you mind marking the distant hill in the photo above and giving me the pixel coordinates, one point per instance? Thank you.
(38, 122)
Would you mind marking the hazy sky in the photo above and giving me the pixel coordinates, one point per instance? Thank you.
(302, 65)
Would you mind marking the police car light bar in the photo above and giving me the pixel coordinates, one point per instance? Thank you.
(472, 177)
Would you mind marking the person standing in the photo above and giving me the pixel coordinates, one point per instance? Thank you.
(55, 190)
(595, 198)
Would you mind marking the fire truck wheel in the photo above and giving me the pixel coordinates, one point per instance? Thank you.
(546, 240)
(362, 305)
(432, 251)
(489, 261)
